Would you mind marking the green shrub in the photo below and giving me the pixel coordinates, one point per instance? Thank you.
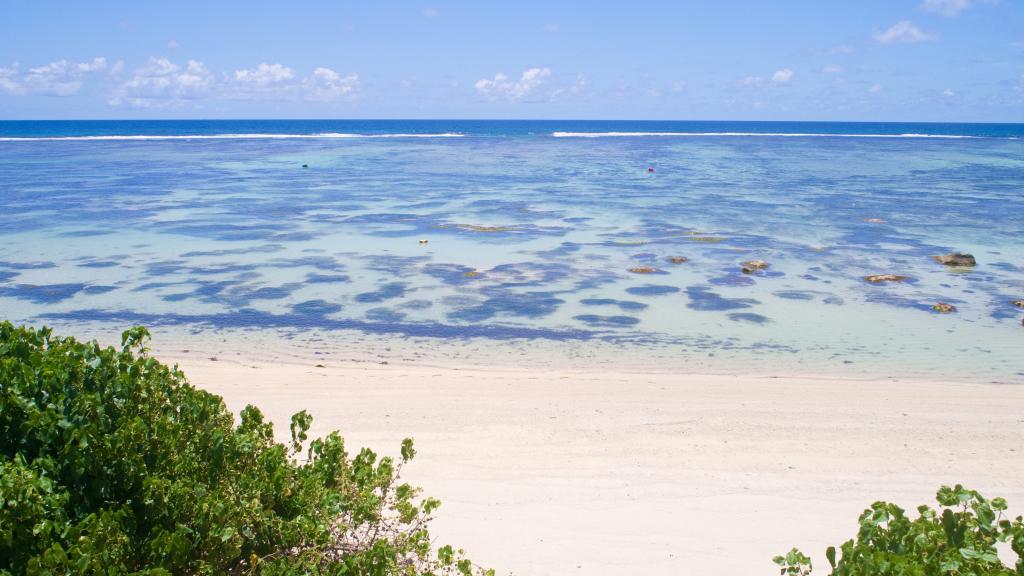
(112, 463)
(958, 540)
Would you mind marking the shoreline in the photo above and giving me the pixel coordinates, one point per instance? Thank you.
(355, 349)
(599, 472)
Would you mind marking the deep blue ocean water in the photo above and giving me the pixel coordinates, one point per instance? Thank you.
(531, 230)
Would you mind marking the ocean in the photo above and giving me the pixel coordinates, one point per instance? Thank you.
(516, 241)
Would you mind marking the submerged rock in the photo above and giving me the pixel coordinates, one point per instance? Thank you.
(751, 266)
(943, 308)
(471, 274)
(678, 259)
(643, 270)
(879, 278)
(1018, 303)
(956, 259)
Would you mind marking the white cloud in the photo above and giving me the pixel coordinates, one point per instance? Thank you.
(60, 78)
(502, 87)
(9, 80)
(326, 85)
(263, 81)
(832, 69)
(431, 12)
(96, 65)
(173, 44)
(842, 49)
(161, 81)
(265, 75)
(679, 86)
(947, 93)
(946, 7)
(904, 32)
(578, 86)
(952, 8)
(551, 28)
(875, 88)
(782, 76)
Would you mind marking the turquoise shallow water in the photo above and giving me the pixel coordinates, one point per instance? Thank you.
(532, 229)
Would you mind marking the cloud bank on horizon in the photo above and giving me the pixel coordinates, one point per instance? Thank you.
(938, 60)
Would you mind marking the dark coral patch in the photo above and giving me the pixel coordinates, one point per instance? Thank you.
(652, 290)
(453, 274)
(384, 315)
(503, 302)
(732, 280)
(99, 264)
(794, 294)
(416, 304)
(27, 265)
(42, 294)
(702, 298)
(314, 278)
(387, 291)
(607, 321)
(316, 308)
(622, 304)
(748, 317)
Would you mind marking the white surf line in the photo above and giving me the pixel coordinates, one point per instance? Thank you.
(766, 134)
(327, 135)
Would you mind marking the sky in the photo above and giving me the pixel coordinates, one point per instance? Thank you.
(859, 60)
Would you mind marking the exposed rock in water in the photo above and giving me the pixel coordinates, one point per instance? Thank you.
(678, 259)
(751, 266)
(879, 278)
(956, 259)
(943, 308)
(643, 270)
(1018, 303)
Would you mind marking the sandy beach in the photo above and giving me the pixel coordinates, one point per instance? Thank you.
(602, 472)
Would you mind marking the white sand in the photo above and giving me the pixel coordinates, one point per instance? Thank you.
(546, 472)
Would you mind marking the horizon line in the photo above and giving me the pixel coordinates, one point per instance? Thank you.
(311, 119)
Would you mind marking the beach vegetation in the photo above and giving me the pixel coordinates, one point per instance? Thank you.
(113, 463)
(959, 538)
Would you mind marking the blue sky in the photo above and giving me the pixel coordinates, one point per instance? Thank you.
(892, 60)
